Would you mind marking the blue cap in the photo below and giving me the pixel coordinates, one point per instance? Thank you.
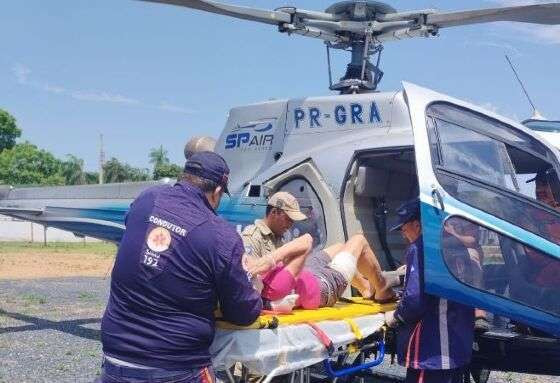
(406, 212)
(210, 166)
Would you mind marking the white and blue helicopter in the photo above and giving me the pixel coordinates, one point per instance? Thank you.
(352, 158)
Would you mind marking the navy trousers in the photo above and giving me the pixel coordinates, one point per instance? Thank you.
(112, 373)
(434, 376)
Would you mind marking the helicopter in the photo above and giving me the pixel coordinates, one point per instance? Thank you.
(352, 158)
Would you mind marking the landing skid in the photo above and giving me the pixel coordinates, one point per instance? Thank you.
(514, 352)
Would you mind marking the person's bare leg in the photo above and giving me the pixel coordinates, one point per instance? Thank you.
(334, 249)
(368, 265)
(359, 282)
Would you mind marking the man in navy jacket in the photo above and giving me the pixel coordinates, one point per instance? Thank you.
(434, 335)
(177, 260)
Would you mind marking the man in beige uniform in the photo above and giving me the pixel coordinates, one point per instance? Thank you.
(335, 267)
(265, 235)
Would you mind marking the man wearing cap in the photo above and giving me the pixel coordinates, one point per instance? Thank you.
(265, 235)
(434, 335)
(318, 276)
(177, 260)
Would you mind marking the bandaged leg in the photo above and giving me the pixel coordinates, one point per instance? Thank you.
(346, 264)
(368, 266)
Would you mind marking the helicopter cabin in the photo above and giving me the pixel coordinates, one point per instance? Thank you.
(490, 229)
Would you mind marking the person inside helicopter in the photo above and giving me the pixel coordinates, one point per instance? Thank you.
(544, 271)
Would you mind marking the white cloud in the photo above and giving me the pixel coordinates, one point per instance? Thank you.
(174, 108)
(22, 75)
(492, 44)
(103, 97)
(541, 34)
(54, 89)
(491, 107)
(537, 33)
(513, 3)
(21, 72)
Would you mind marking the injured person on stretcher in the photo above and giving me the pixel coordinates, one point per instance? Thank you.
(295, 275)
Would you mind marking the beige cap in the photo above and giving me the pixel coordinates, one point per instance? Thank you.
(288, 203)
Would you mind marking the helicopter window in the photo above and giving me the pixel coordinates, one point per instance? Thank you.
(254, 191)
(494, 175)
(469, 152)
(543, 126)
(486, 260)
(310, 205)
(489, 127)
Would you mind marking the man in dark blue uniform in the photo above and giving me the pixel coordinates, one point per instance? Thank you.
(434, 335)
(177, 260)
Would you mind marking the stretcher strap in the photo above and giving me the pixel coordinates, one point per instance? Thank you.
(323, 337)
(357, 333)
(355, 329)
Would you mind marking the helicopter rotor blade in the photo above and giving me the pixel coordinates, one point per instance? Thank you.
(548, 14)
(246, 13)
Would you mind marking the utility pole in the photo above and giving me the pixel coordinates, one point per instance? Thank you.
(101, 158)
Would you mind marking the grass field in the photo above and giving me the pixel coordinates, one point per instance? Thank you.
(98, 248)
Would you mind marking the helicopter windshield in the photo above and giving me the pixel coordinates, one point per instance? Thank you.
(543, 126)
(486, 164)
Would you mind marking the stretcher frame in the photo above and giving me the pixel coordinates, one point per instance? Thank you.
(275, 346)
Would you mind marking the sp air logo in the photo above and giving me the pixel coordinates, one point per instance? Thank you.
(159, 239)
(253, 136)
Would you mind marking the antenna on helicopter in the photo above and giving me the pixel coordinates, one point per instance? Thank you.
(536, 114)
(362, 26)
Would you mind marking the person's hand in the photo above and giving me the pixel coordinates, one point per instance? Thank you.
(390, 320)
(256, 266)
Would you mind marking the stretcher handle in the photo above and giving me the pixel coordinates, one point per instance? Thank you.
(351, 370)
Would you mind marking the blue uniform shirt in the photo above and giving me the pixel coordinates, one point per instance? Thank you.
(437, 333)
(176, 261)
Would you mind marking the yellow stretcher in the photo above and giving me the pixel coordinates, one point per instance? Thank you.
(342, 310)
(280, 344)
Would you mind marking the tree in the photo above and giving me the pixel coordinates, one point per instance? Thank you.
(8, 130)
(162, 167)
(167, 170)
(116, 171)
(158, 156)
(73, 170)
(26, 164)
(91, 177)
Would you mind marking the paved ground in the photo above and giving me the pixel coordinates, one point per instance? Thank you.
(49, 331)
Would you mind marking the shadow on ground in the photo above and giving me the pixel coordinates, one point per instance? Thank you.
(72, 327)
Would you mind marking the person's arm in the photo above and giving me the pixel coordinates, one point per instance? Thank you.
(240, 303)
(413, 303)
(467, 240)
(295, 248)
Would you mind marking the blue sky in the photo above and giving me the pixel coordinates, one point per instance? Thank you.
(146, 74)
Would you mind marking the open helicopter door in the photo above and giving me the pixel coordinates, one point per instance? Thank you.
(491, 231)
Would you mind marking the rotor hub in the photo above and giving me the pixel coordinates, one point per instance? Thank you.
(361, 75)
(359, 10)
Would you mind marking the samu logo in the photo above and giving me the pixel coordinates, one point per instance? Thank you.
(257, 139)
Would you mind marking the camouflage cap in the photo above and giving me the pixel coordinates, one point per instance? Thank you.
(288, 203)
